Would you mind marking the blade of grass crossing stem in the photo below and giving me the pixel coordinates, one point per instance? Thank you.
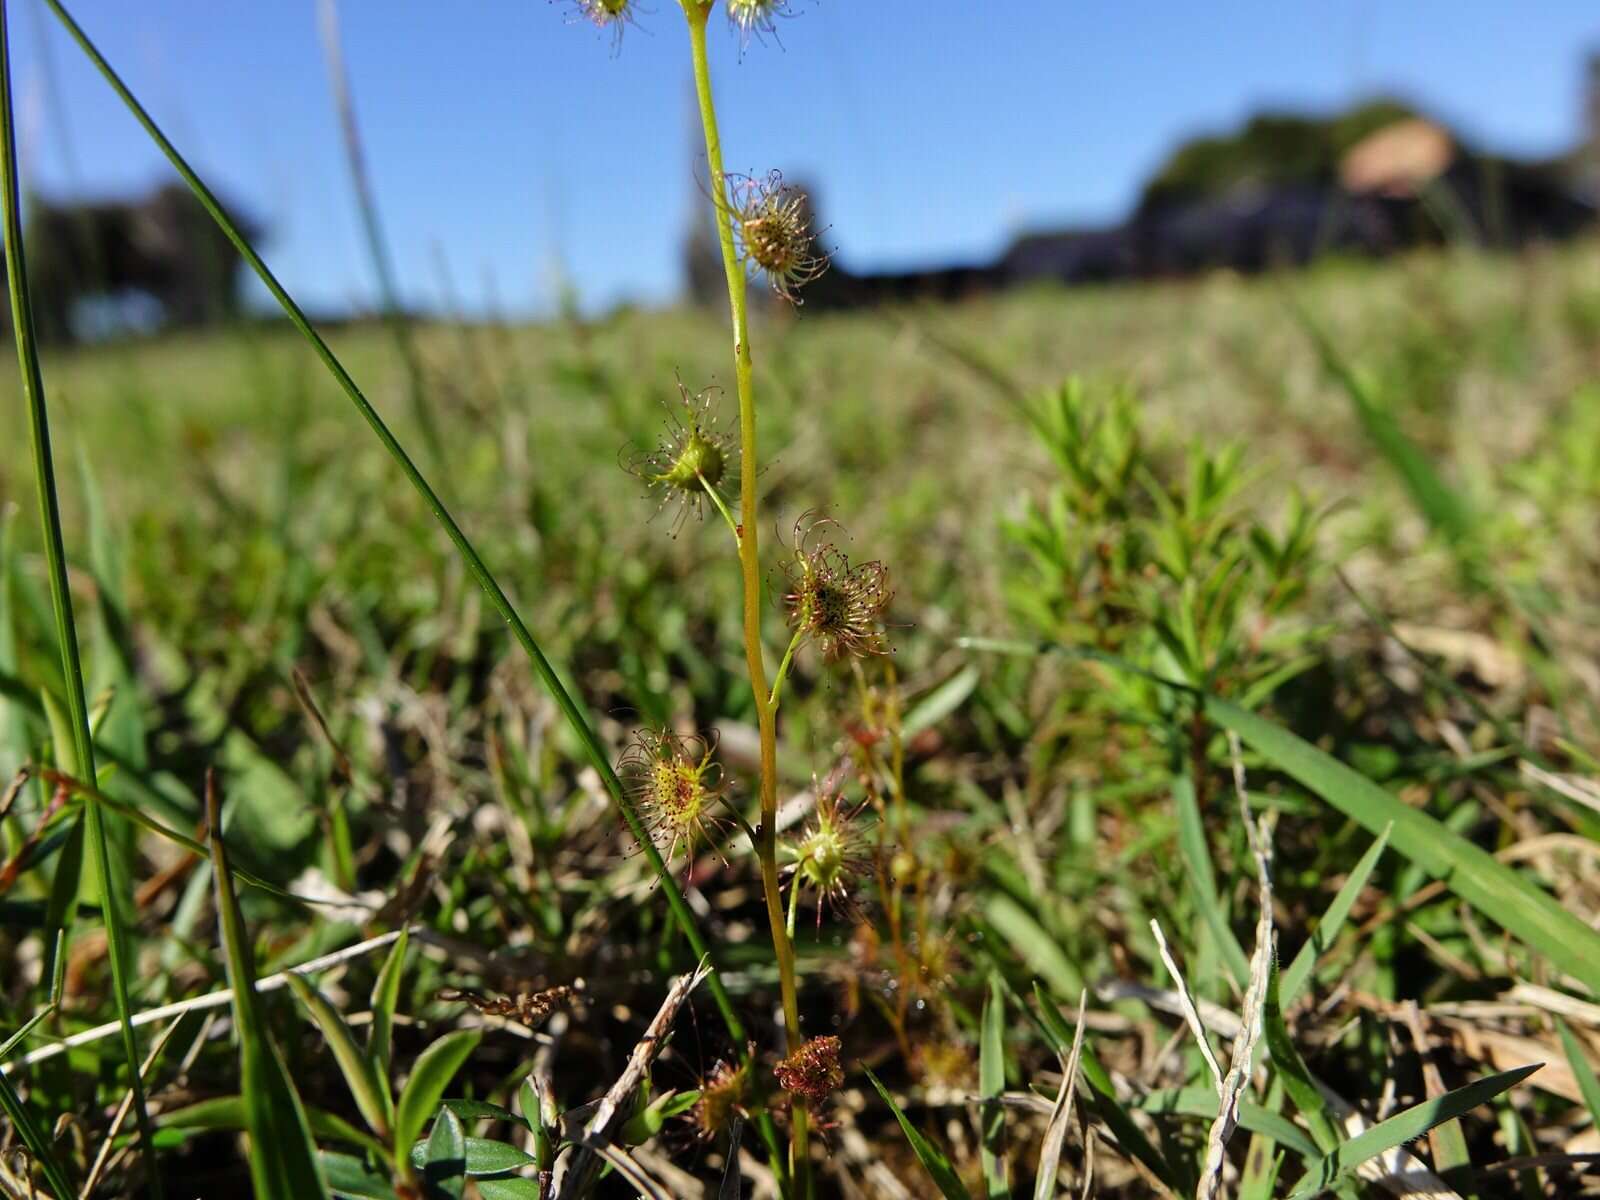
(1491, 887)
(117, 936)
(1196, 856)
(1103, 1096)
(933, 1159)
(1404, 1127)
(1299, 971)
(991, 1083)
(474, 562)
(283, 1163)
(1297, 1081)
(1582, 1069)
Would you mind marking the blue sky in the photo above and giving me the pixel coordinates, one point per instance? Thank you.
(503, 139)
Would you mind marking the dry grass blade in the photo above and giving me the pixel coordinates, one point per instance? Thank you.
(102, 1160)
(1244, 1046)
(1055, 1137)
(1191, 1011)
(614, 1105)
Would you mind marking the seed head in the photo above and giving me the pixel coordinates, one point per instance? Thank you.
(693, 456)
(723, 1096)
(607, 15)
(752, 18)
(835, 604)
(830, 856)
(676, 786)
(773, 224)
(812, 1071)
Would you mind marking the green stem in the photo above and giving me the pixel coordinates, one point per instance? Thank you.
(496, 596)
(111, 911)
(783, 668)
(696, 14)
(733, 526)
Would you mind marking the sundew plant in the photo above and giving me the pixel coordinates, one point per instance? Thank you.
(1204, 804)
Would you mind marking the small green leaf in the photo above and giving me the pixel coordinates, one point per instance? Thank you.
(510, 1189)
(436, 1067)
(1404, 1127)
(357, 1070)
(350, 1178)
(385, 998)
(483, 1156)
(930, 1156)
(444, 1158)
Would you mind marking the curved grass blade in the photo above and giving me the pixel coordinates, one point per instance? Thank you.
(498, 600)
(359, 1075)
(95, 835)
(930, 1156)
(1404, 1127)
(1299, 971)
(1494, 889)
(1582, 1069)
(1196, 856)
(284, 1163)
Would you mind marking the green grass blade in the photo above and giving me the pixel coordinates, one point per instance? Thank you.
(1445, 510)
(385, 998)
(230, 1113)
(1495, 890)
(1201, 1102)
(1017, 926)
(283, 1165)
(1299, 971)
(991, 1083)
(1404, 1127)
(498, 600)
(933, 1159)
(435, 1068)
(33, 1137)
(358, 1072)
(118, 937)
(1297, 1081)
(1196, 854)
(1582, 1069)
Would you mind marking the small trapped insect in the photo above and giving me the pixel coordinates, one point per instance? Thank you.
(530, 1008)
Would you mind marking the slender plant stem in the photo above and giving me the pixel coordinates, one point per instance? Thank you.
(377, 245)
(111, 911)
(783, 669)
(496, 596)
(733, 526)
(750, 563)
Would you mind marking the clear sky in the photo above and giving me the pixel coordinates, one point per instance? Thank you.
(503, 139)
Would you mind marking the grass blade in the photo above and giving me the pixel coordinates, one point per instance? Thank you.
(930, 1156)
(436, 1067)
(95, 833)
(991, 1083)
(1495, 890)
(357, 1069)
(1299, 971)
(498, 600)
(1404, 1127)
(1297, 1081)
(1197, 862)
(1582, 1069)
(385, 998)
(284, 1164)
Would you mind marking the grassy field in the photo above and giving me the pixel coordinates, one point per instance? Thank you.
(1141, 539)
